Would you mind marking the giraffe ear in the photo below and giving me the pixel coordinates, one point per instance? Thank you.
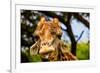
(56, 21)
(39, 26)
(42, 19)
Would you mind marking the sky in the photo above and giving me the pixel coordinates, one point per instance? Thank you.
(77, 28)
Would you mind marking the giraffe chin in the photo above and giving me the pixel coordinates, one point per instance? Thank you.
(46, 50)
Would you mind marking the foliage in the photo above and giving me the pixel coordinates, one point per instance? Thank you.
(83, 51)
(26, 57)
(35, 58)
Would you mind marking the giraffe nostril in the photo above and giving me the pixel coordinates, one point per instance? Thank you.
(44, 43)
(47, 43)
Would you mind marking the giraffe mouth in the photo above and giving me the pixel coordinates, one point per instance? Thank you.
(46, 47)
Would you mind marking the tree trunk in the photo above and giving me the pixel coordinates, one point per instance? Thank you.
(71, 35)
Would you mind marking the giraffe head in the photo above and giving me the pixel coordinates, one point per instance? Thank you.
(47, 31)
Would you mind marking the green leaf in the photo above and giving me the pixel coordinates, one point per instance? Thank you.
(35, 58)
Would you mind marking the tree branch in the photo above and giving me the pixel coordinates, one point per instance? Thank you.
(80, 36)
(81, 19)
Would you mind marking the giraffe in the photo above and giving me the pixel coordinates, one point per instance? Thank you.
(49, 46)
